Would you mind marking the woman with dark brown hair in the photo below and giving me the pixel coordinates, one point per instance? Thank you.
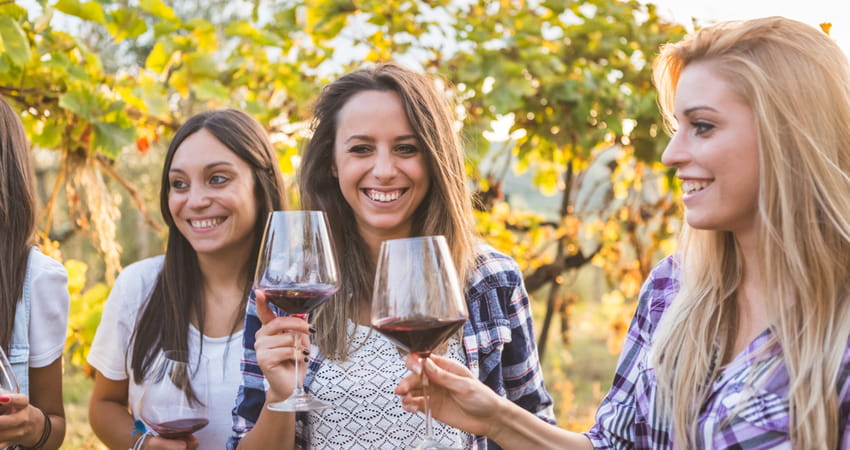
(33, 303)
(385, 162)
(220, 180)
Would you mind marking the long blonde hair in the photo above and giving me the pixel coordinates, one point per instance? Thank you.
(797, 82)
(445, 210)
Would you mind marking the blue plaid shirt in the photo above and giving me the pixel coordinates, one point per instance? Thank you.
(498, 339)
(747, 406)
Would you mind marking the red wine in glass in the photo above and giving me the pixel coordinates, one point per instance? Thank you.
(299, 298)
(417, 302)
(297, 271)
(178, 429)
(420, 335)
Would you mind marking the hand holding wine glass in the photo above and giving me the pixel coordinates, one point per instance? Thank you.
(176, 395)
(417, 301)
(296, 272)
(8, 381)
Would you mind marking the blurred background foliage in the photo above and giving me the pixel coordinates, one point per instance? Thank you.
(553, 97)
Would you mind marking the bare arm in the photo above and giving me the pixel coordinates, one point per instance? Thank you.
(109, 415)
(26, 423)
(111, 421)
(460, 400)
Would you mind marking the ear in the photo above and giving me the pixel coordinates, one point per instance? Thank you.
(333, 170)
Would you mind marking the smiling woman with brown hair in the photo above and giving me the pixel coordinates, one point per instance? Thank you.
(219, 182)
(385, 162)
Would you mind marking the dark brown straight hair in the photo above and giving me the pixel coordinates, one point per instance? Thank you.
(17, 215)
(176, 297)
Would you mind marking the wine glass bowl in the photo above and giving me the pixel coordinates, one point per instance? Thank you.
(417, 301)
(297, 272)
(174, 403)
(8, 381)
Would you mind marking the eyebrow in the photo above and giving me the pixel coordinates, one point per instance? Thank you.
(698, 108)
(363, 137)
(206, 168)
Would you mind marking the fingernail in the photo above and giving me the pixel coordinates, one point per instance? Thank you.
(306, 352)
(306, 359)
(431, 366)
(5, 399)
(312, 329)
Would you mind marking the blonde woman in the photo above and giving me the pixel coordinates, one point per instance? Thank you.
(741, 339)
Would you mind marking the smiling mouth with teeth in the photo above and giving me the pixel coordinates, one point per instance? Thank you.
(691, 186)
(206, 223)
(384, 197)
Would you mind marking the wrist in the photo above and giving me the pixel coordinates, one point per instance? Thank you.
(496, 428)
(41, 434)
(140, 441)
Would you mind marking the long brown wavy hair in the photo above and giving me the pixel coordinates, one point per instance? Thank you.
(445, 210)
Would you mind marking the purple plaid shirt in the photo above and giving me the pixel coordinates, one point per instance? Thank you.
(738, 414)
(498, 340)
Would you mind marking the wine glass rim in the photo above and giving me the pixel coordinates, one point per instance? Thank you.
(435, 237)
(297, 211)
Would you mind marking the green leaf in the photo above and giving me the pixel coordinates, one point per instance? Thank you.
(201, 65)
(80, 102)
(209, 89)
(157, 58)
(13, 41)
(110, 138)
(159, 9)
(91, 11)
(126, 24)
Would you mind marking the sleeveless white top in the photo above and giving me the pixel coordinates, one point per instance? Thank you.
(366, 414)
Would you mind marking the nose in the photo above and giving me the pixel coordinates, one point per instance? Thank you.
(385, 164)
(198, 197)
(676, 153)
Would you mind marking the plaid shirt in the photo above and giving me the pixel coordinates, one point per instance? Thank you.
(498, 339)
(747, 406)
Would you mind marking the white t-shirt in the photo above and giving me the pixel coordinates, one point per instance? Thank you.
(111, 351)
(48, 309)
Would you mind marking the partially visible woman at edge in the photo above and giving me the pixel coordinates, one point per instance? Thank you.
(385, 162)
(34, 303)
(219, 182)
(740, 340)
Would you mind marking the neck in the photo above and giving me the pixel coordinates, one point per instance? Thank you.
(222, 273)
(752, 309)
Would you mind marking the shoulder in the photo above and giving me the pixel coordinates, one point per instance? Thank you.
(493, 267)
(42, 266)
(136, 281)
(659, 290)
(141, 273)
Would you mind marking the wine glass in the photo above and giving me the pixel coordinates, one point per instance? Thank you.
(297, 271)
(8, 380)
(417, 301)
(176, 394)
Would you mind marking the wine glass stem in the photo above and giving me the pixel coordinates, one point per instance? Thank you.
(428, 431)
(299, 383)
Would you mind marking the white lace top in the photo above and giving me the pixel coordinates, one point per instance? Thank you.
(366, 413)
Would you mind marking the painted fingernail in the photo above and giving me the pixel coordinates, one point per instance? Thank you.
(306, 359)
(5, 399)
(312, 329)
(306, 352)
